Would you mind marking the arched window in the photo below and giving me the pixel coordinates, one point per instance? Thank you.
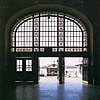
(59, 31)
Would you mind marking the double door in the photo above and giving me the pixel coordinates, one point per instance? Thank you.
(24, 69)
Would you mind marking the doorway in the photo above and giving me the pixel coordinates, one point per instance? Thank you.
(48, 69)
(76, 69)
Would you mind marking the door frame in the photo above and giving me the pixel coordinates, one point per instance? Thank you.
(61, 71)
(24, 75)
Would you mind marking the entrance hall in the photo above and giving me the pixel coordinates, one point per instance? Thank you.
(46, 34)
(35, 29)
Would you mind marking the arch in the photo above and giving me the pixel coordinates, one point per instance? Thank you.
(49, 7)
(62, 32)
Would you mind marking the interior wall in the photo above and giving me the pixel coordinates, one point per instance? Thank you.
(97, 43)
(87, 7)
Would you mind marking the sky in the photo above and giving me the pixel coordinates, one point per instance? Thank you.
(69, 61)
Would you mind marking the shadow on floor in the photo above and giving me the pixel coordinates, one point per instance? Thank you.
(72, 89)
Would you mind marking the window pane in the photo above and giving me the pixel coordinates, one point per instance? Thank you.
(28, 65)
(18, 65)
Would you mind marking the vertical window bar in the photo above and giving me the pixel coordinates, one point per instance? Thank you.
(76, 39)
(27, 36)
(21, 36)
(54, 33)
(24, 35)
(39, 33)
(51, 32)
(48, 30)
(15, 40)
(73, 35)
(45, 29)
(57, 32)
(33, 34)
(87, 41)
(67, 33)
(70, 34)
(64, 32)
(82, 40)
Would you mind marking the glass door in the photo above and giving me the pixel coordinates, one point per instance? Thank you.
(24, 69)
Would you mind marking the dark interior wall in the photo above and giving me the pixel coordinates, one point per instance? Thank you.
(90, 8)
(97, 43)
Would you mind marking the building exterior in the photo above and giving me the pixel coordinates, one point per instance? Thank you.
(52, 70)
(73, 71)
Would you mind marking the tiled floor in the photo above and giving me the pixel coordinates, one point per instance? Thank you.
(72, 89)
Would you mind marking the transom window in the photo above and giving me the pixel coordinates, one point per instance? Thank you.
(58, 31)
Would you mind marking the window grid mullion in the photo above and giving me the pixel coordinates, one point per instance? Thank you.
(51, 30)
(82, 41)
(39, 32)
(48, 29)
(33, 32)
(70, 34)
(73, 34)
(64, 32)
(45, 31)
(57, 32)
(15, 40)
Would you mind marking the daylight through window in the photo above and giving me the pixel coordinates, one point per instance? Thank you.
(58, 31)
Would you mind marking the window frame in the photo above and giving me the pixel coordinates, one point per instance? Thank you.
(58, 48)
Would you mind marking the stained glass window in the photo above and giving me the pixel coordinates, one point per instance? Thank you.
(59, 31)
